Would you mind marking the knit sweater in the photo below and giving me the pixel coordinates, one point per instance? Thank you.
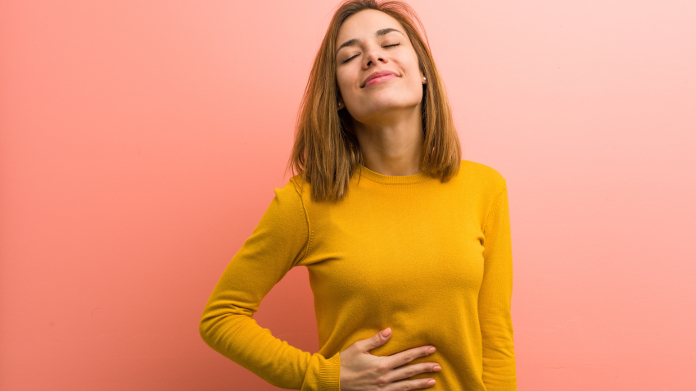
(430, 260)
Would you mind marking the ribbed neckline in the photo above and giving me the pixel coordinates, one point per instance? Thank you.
(392, 179)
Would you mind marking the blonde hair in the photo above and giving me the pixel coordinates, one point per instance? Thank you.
(326, 151)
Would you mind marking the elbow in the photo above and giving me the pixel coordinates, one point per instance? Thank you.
(203, 330)
(221, 321)
(205, 327)
(216, 324)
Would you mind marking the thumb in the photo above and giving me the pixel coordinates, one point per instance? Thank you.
(378, 339)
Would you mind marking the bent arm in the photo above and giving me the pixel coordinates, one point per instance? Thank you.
(278, 243)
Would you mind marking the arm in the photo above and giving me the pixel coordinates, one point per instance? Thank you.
(495, 299)
(278, 243)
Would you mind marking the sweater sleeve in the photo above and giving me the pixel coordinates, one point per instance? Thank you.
(495, 298)
(279, 242)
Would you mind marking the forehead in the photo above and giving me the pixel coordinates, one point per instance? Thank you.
(365, 23)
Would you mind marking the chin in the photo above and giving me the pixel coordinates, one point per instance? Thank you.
(382, 108)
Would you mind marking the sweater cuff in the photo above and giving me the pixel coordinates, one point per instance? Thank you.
(323, 374)
(331, 374)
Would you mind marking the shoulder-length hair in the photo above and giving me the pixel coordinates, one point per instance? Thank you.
(326, 151)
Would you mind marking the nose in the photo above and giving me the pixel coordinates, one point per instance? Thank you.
(373, 55)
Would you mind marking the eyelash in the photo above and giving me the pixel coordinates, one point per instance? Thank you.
(386, 46)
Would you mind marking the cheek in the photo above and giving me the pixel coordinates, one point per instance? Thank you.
(414, 64)
(340, 79)
(344, 81)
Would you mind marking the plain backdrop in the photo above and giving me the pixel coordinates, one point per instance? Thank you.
(140, 143)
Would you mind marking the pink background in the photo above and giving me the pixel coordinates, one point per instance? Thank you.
(140, 143)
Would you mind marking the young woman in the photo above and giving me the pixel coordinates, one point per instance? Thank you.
(407, 246)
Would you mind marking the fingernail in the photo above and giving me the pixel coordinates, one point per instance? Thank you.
(437, 368)
(431, 382)
(431, 350)
(386, 332)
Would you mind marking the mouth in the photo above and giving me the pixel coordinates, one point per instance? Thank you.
(377, 77)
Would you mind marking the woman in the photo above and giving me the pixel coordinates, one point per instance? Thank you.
(398, 233)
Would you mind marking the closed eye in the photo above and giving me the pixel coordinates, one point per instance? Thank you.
(385, 46)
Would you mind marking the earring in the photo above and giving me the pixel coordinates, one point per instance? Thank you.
(339, 104)
(423, 78)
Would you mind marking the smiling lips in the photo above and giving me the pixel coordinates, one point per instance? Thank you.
(379, 76)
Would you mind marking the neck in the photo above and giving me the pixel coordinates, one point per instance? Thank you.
(392, 144)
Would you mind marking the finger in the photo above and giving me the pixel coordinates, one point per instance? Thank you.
(405, 357)
(407, 371)
(416, 384)
(376, 340)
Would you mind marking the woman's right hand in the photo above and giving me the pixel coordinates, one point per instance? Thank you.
(361, 371)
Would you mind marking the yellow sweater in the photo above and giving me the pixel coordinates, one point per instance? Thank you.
(431, 260)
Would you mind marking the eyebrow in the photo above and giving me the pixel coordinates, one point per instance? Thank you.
(355, 41)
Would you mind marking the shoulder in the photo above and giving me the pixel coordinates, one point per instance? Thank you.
(488, 184)
(287, 199)
(291, 188)
(297, 188)
(487, 177)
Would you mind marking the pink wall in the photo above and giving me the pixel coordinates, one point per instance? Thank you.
(140, 143)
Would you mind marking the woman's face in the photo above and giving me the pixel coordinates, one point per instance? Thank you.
(368, 42)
